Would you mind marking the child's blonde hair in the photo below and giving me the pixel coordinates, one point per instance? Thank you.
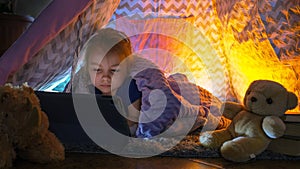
(108, 40)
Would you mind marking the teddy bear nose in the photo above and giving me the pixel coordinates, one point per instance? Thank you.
(253, 99)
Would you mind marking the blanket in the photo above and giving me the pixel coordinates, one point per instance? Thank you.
(172, 105)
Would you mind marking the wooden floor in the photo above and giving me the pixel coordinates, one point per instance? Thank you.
(100, 161)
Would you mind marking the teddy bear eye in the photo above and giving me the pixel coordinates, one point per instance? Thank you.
(269, 101)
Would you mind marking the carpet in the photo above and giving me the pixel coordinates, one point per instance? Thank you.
(188, 147)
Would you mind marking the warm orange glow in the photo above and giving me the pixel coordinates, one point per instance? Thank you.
(248, 62)
(224, 59)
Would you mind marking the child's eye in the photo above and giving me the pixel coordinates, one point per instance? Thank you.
(115, 70)
(98, 70)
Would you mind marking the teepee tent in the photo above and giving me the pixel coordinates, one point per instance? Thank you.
(221, 45)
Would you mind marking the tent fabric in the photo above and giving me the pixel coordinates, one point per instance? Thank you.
(47, 49)
(199, 14)
(234, 29)
(44, 28)
(174, 51)
(281, 20)
(248, 40)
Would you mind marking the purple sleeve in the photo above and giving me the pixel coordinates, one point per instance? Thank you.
(147, 81)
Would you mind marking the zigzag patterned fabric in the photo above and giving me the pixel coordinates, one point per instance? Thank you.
(249, 52)
(282, 19)
(54, 62)
(230, 47)
(204, 59)
(241, 53)
(282, 22)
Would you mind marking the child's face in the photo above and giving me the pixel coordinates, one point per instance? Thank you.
(107, 74)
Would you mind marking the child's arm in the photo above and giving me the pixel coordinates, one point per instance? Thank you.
(133, 115)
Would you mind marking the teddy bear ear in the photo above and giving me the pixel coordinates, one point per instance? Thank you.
(25, 87)
(292, 100)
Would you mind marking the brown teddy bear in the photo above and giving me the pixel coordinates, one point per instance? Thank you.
(24, 128)
(254, 124)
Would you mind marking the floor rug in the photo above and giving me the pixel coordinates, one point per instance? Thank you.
(188, 147)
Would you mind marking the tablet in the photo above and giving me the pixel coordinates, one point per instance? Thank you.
(64, 121)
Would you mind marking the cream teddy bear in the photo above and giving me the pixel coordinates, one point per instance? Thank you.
(24, 128)
(254, 124)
